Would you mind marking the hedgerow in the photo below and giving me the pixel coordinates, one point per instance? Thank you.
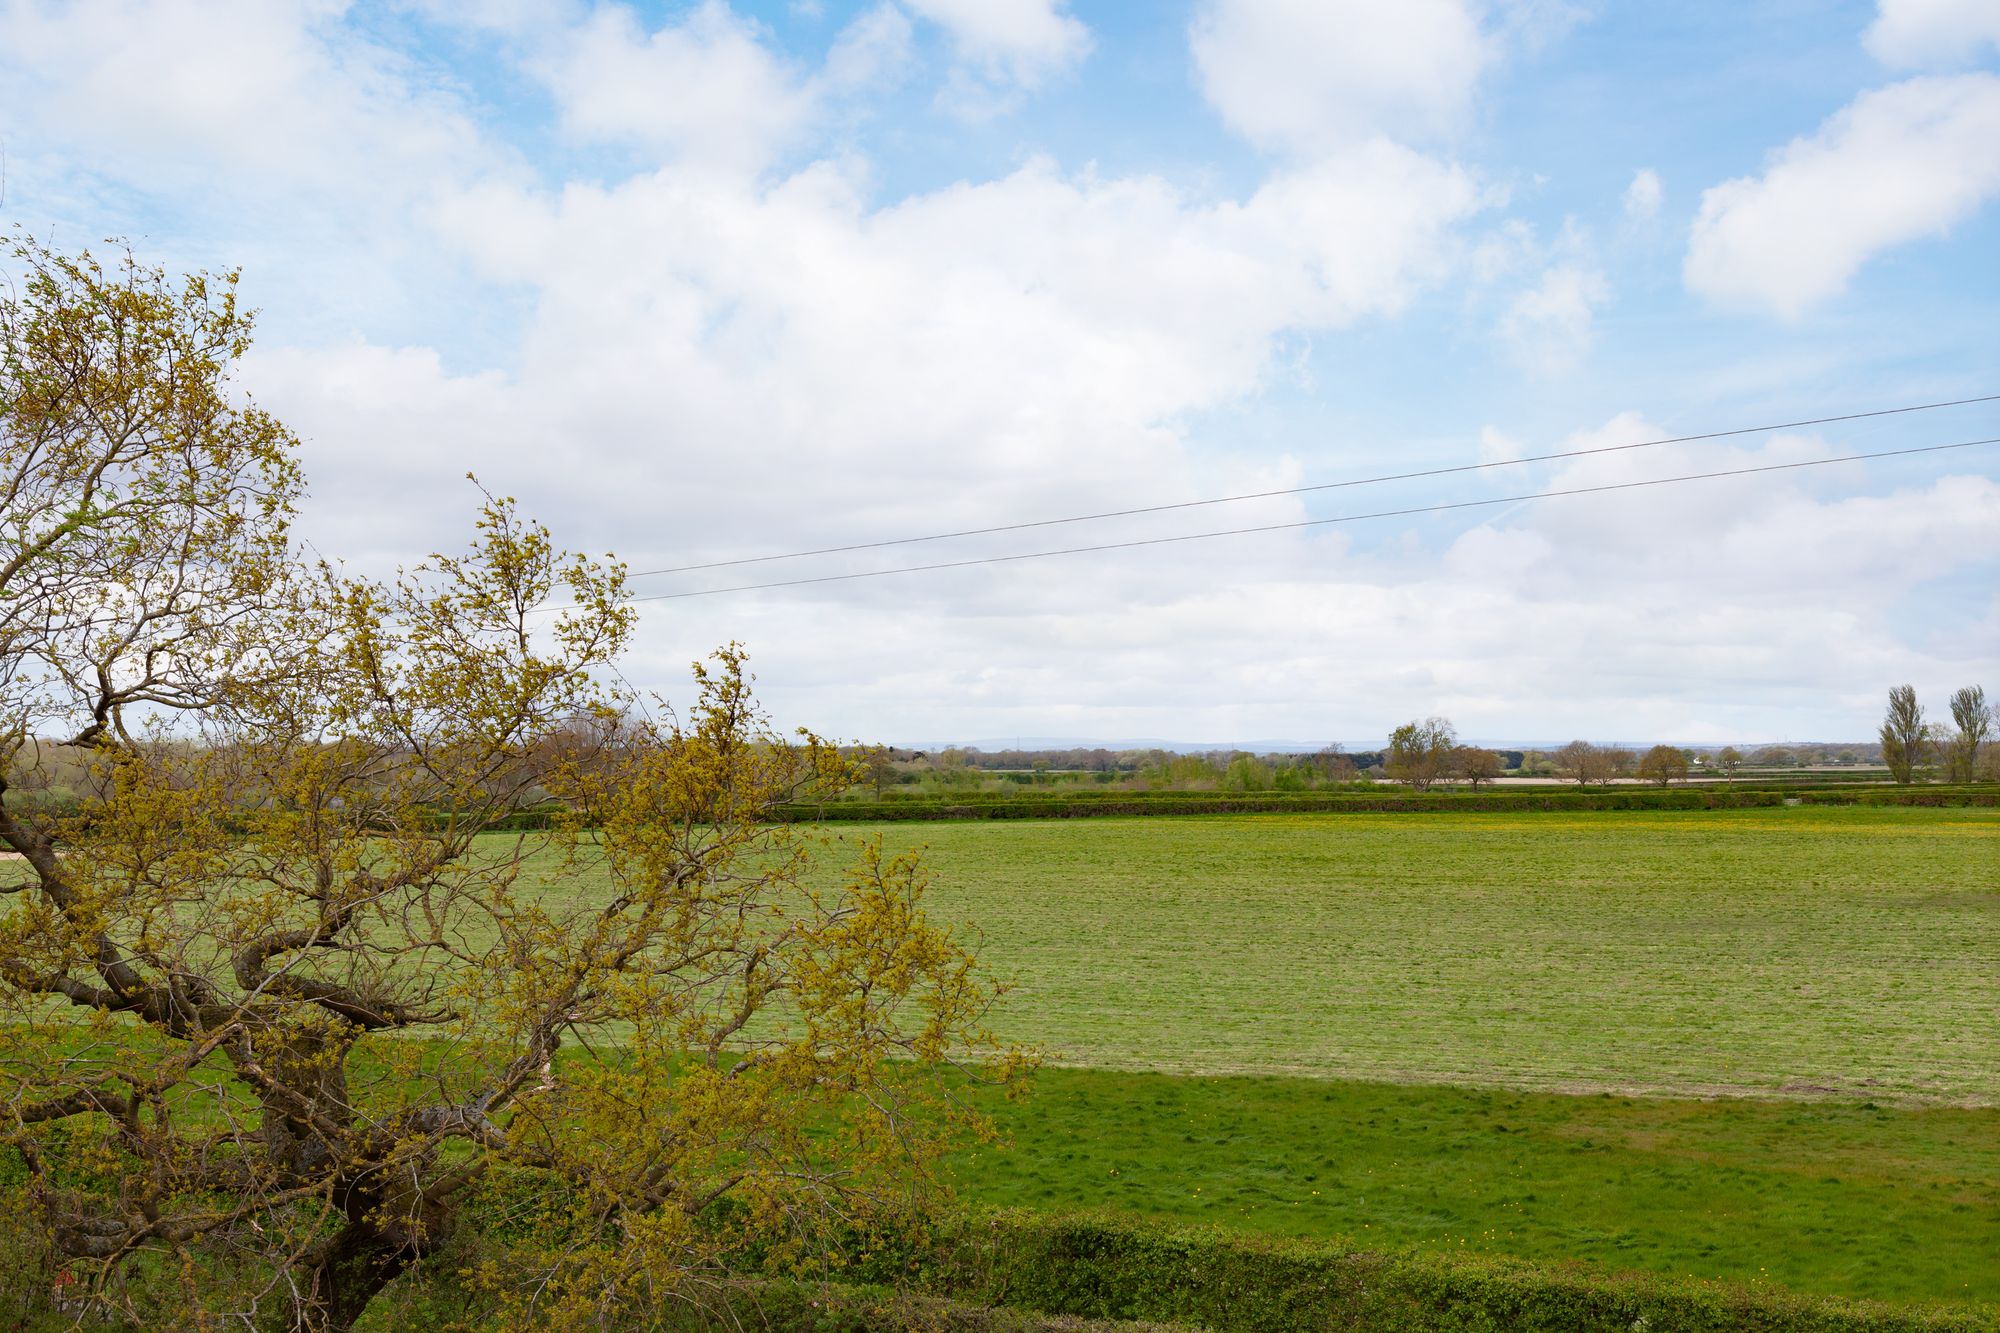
(1112, 1268)
(1087, 805)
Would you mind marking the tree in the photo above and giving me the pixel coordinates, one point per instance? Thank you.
(1904, 739)
(1727, 760)
(1974, 719)
(1582, 763)
(1246, 773)
(1474, 765)
(953, 771)
(877, 768)
(1419, 753)
(1663, 764)
(280, 995)
(1333, 765)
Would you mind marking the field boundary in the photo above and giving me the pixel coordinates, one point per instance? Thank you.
(1110, 1267)
(1128, 805)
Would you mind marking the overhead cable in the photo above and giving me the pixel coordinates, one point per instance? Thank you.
(1305, 490)
(1304, 523)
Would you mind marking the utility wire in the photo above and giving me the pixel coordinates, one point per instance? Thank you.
(1304, 490)
(1303, 523)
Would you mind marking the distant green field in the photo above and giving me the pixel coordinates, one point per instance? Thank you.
(1835, 1198)
(1803, 952)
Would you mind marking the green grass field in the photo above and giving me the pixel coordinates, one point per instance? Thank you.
(1794, 952)
(1812, 996)
(1835, 1198)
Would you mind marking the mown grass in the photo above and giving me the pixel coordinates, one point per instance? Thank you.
(1801, 952)
(1832, 1198)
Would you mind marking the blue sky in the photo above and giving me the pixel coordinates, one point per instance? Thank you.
(704, 281)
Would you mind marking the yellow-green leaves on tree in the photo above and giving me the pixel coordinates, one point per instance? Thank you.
(347, 902)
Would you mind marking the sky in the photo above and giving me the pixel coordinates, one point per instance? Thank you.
(711, 281)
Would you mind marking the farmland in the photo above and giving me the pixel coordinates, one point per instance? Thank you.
(1374, 1027)
(1794, 953)
(1807, 995)
(1841, 1198)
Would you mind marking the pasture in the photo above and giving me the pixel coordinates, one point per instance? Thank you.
(1807, 995)
(1839, 1198)
(1792, 952)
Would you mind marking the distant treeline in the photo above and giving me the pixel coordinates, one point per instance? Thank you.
(1089, 804)
(1101, 760)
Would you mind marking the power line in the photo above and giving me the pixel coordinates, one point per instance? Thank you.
(1302, 523)
(1304, 490)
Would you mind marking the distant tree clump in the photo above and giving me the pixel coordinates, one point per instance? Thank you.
(1420, 753)
(1246, 773)
(1727, 760)
(1334, 765)
(1664, 764)
(1905, 739)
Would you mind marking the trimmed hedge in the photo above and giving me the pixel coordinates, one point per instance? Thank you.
(1111, 1268)
(795, 1307)
(1087, 805)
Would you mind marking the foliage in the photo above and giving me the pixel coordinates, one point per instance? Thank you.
(1973, 717)
(1905, 741)
(280, 870)
(1663, 764)
(1246, 773)
(1472, 765)
(1420, 753)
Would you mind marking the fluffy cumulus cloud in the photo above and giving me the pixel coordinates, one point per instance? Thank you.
(704, 86)
(1900, 163)
(1010, 42)
(1010, 346)
(1914, 34)
(1303, 75)
(705, 90)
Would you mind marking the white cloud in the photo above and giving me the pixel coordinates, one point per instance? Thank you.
(240, 87)
(704, 90)
(252, 133)
(1899, 163)
(1549, 326)
(1643, 195)
(1915, 34)
(707, 91)
(1015, 345)
(871, 51)
(1010, 42)
(1308, 74)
